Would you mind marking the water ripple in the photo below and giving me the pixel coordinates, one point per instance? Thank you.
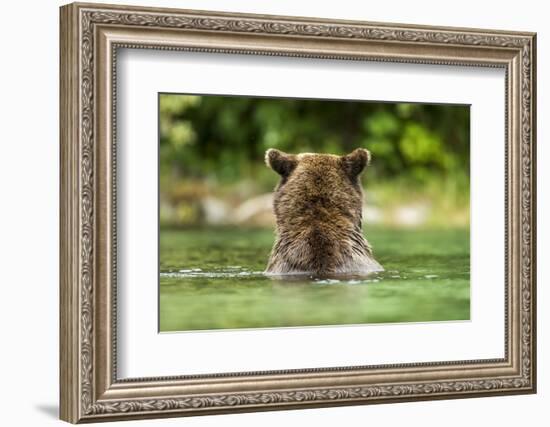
(237, 271)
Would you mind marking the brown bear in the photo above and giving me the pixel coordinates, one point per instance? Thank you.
(318, 207)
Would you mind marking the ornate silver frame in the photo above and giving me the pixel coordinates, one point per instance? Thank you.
(90, 36)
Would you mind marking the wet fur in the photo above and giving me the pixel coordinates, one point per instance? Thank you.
(318, 208)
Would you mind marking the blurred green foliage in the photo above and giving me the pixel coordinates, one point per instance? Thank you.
(218, 142)
(225, 137)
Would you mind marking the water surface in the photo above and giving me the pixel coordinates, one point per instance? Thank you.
(213, 279)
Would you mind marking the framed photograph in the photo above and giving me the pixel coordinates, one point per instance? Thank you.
(265, 212)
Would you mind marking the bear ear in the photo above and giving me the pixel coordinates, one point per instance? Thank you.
(356, 161)
(280, 162)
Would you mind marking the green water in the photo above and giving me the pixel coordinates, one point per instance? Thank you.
(212, 279)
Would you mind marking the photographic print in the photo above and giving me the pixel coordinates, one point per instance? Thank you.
(309, 195)
(280, 212)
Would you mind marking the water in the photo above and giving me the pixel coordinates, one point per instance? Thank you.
(213, 279)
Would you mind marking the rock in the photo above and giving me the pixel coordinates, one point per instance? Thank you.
(256, 211)
(372, 215)
(215, 210)
(411, 215)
